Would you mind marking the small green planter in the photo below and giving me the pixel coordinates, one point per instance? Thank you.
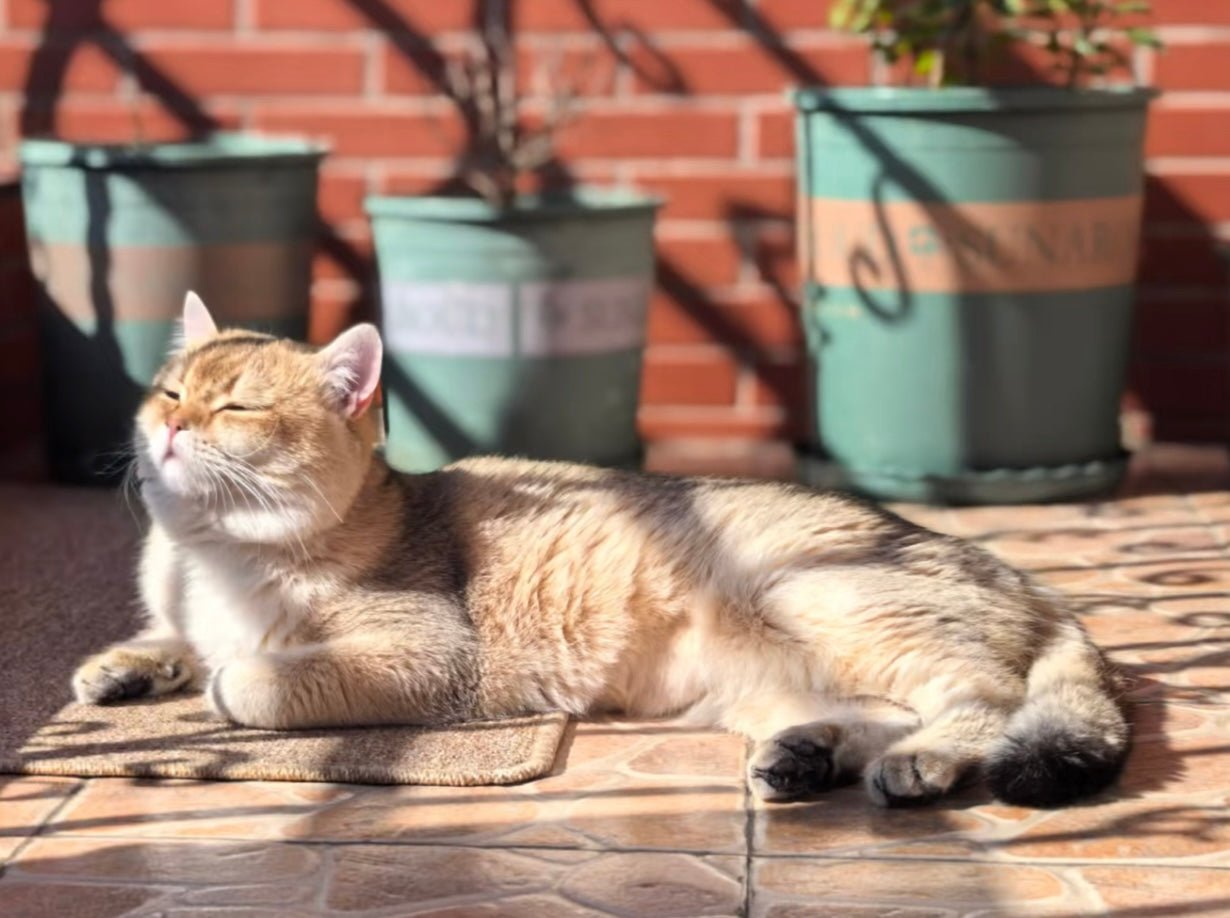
(969, 260)
(518, 332)
(118, 234)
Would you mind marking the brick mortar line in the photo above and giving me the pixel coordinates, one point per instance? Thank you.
(375, 67)
(745, 383)
(244, 41)
(1180, 100)
(1190, 35)
(1166, 166)
(244, 12)
(693, 352)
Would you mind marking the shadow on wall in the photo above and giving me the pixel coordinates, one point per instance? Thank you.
(1181, 352)
(20, 401)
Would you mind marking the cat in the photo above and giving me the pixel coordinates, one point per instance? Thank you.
(300, 582)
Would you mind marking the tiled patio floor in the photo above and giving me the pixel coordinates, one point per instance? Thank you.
(651, 819)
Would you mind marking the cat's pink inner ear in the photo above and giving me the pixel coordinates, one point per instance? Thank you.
(351, 367)
(198, 323)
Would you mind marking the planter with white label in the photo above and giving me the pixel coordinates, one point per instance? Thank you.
(518, 332)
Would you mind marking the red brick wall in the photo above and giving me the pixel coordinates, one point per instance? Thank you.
(692, 106)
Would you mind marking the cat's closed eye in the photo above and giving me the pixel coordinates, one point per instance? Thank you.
(236, 406)
(171, 394)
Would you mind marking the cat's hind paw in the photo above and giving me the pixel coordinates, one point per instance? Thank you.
(122, 673)
(796, 763)
(910, 779)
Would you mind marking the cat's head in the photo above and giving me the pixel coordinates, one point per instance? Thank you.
(261, 438)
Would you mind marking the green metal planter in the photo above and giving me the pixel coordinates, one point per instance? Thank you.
(969, 259)
(517, 332)
(118, 234)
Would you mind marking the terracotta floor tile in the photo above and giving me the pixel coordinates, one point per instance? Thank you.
(1148, 510)
(1142, 829)
(181, 873)
(461, 881)
(1205, 610)
(813, 887)
(461, 815)
(1211, 507)
(845, 822)
(139, 877)
(1189, 892)
(1195, 762)
(40, 900)
(973, 521)
(182, 809)
(25, 803)
(1180, 575)
(188, 863)
(621, 787)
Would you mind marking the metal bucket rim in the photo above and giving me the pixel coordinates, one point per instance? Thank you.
(218, 150)
(577, 202)
(891, 100)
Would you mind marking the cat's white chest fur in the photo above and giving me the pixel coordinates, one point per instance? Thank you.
(236, 608)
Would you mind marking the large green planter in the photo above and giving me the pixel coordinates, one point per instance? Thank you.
(517, 332)
(969, 259)
(118, 234)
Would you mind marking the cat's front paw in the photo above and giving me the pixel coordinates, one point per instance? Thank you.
(121, 673)
(795, 763)
(248, 692)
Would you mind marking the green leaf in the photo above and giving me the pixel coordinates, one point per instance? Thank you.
(926, 61)
(1143, 38)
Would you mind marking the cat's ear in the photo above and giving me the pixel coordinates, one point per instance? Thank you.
(351, 367)
(197, 323)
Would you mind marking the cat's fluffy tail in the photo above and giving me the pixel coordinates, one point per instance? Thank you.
(1071, 736)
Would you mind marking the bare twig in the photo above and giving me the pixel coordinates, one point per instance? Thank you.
(483, 83)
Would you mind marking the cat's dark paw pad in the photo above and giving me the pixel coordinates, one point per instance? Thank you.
(103, 684)
(121, 675)
(909, 779)
(794, 764)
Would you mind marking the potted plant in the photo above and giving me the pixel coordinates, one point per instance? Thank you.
(118, 232)
(514, 323)
(969, 252)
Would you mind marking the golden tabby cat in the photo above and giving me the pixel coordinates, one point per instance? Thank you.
(302, 583)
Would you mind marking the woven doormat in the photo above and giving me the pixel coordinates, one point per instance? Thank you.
(67, 590)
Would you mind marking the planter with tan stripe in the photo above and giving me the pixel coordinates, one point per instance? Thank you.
(969, 259)
(118, 234)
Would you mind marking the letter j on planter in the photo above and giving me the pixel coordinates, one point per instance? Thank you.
(969, 259)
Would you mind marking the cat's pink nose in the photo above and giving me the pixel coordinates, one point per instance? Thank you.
(173, 427)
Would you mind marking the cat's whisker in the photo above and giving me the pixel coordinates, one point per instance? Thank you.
(249, 480)
(321, 493)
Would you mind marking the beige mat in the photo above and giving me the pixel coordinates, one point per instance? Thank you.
(66, 590)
